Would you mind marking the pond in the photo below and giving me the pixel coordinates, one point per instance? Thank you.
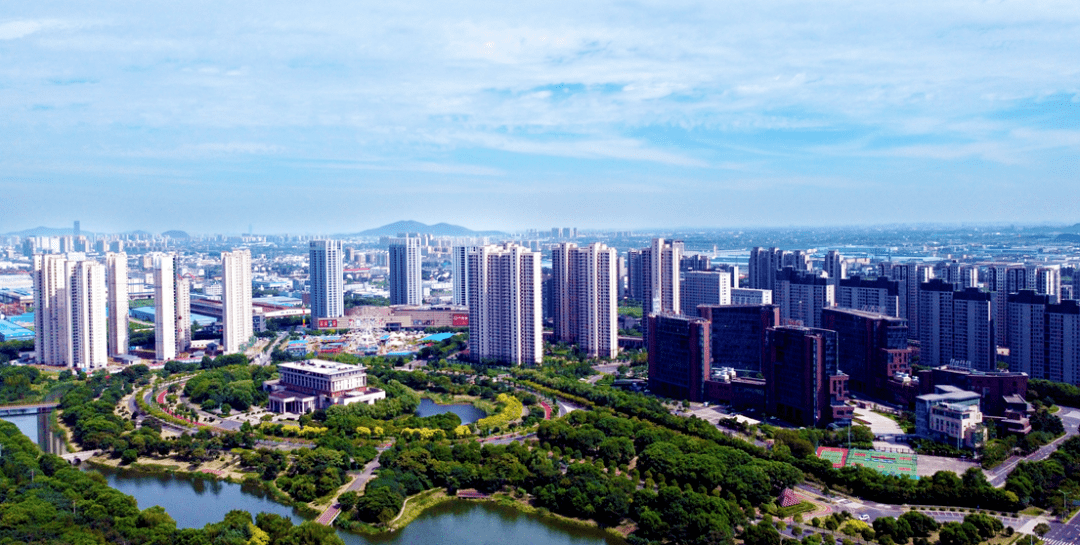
(466, 412)
(39, 430)
(195, 502)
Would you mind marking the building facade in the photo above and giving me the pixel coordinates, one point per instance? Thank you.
(679, 354)
(872, 347)
(584, 297)
(935, 323)
(973, 330)
(879, 295)
(460, 274)
(661, 288)
(803, 383)
(326, 270)
(802, 296)
(116, 278)
(835, 267)
(165, 318)
(751, 296)
(406, 281)
(737, 334)
(236, 313)
(504, 305)
(309, 385)
(704, 288)
(70, 301)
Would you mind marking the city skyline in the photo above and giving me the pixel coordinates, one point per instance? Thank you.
(158, 118)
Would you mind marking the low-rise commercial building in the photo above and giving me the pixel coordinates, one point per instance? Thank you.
(950, 415)
(316, 384)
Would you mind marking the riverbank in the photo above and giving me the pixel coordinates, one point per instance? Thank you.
(202, 471)
(418, 504)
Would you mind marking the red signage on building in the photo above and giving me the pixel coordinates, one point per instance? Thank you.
(327, 323)
(461, 320)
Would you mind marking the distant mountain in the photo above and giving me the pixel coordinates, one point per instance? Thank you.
(44, 232)
(411, 226)
(176, 234)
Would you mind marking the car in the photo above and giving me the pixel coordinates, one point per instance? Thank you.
(864, 517)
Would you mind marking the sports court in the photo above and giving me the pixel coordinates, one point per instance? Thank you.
(888, 463)
(838, 456)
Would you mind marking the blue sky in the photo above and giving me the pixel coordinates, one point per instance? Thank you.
(339, 116)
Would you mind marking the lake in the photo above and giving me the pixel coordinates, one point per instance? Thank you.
(467, 413)
(195, 502)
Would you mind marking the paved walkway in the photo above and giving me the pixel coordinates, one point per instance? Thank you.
(358, 484)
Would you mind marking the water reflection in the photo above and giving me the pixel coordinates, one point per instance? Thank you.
(467, 413)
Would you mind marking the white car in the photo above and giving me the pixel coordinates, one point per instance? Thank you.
(864, 517)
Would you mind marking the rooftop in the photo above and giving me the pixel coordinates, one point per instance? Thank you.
(321, 367)
(11, 331)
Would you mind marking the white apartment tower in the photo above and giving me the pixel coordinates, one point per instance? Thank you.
(406, 282)
(165, 307)
(704, 288)
(182, 298)
(504, 304)
(87, 327)
(326, 269)
(116, 276)
(585, 297)
(660, 277)
(50, 284)
(236, 319)
(70, 299)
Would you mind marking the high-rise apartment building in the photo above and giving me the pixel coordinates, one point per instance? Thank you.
(878, 295)
(635, 276)
(87, 326)
(973, 344)
(460, 274)
(1044, 337)
(916, 275)
(584, 297)
(406, 282)
(182, 299)
(236, 319)
(801, 297)
(935, 323)
(50, 310)
(165, 318)
(326, 266)
(70, 299)
(764, 263)
(1000, 282)
(116, 278)
(1063, 342)
(504, 304)
(835, 267)
(661, 288)
(704, 288)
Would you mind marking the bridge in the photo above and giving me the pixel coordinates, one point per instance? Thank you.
(31, 408)
(76, 457)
